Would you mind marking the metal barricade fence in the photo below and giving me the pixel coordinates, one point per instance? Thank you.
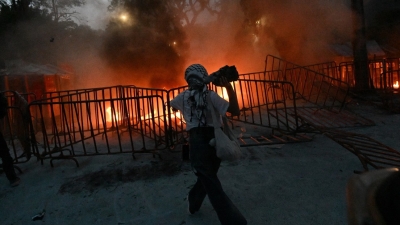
(177, 125)
(67, 120)
(383, 77)
(314, 87)
(109, 92)
(346, 73)
(15, 126)
(262, 102)
(383, 73)
(130, 119)
(85, 124)
(267, 103)
(328, 68)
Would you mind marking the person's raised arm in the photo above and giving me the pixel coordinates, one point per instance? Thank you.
(233, 101)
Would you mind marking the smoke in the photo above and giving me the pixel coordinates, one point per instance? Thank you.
(37, 39)
(149, 47)
(243, 33)
(246, 31)
(213, 43)
(299, 31)
(152, 47)
(94, 14)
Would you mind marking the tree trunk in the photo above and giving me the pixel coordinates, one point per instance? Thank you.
(361, 72)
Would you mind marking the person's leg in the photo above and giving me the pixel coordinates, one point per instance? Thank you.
(227, 212)
(198, 154)
(196, 196)
(205, 164)
(7, 160)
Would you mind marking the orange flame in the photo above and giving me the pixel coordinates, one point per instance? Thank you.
(177, 117)
(148, 115)
(396, 85)
(223, 94)
(110, 116)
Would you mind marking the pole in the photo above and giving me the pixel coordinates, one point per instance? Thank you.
(361, 72)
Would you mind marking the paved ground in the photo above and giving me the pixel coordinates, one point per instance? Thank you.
(302, 183)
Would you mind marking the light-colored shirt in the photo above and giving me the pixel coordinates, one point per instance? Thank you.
(180, 102)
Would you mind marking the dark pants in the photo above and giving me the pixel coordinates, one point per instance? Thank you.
(205, 164)
(5, 156)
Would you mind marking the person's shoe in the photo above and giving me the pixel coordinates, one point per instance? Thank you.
(15, 182)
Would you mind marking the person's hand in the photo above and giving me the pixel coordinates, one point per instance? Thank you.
(223, 82)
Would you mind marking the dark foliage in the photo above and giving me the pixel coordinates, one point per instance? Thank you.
(152, 43)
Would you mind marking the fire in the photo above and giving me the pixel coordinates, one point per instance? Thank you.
(396, 85)
(177, 117)
(110, 116)
(148, 116)
(223, 94)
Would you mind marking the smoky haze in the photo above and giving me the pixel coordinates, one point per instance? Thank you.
(153, 48)
(148, 47)
(299, 31)
(242, 34)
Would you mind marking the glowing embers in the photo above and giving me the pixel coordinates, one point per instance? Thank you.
(396, 85)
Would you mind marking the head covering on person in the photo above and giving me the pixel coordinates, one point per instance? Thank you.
(196, 70)
(197, 90)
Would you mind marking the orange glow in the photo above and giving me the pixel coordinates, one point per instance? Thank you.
(124, 17)
(148, 116)
(177, 117)
(177, 114)
(223, 94)
(112, 116)
(396, 85)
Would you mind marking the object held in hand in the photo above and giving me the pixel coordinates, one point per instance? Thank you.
(229, 72)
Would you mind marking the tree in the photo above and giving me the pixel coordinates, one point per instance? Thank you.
(32, 32)
(189, 10)
(383, 25)
(148, 45)
(154, 40)
(360, 53)
(61, 10)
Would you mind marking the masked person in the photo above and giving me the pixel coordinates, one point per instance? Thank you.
(193, 105)
(7, 161)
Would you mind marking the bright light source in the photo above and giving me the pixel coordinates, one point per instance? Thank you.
(123, 17)
(396, 85)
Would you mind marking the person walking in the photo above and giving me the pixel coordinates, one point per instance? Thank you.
(192, 103)
(7, 160)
